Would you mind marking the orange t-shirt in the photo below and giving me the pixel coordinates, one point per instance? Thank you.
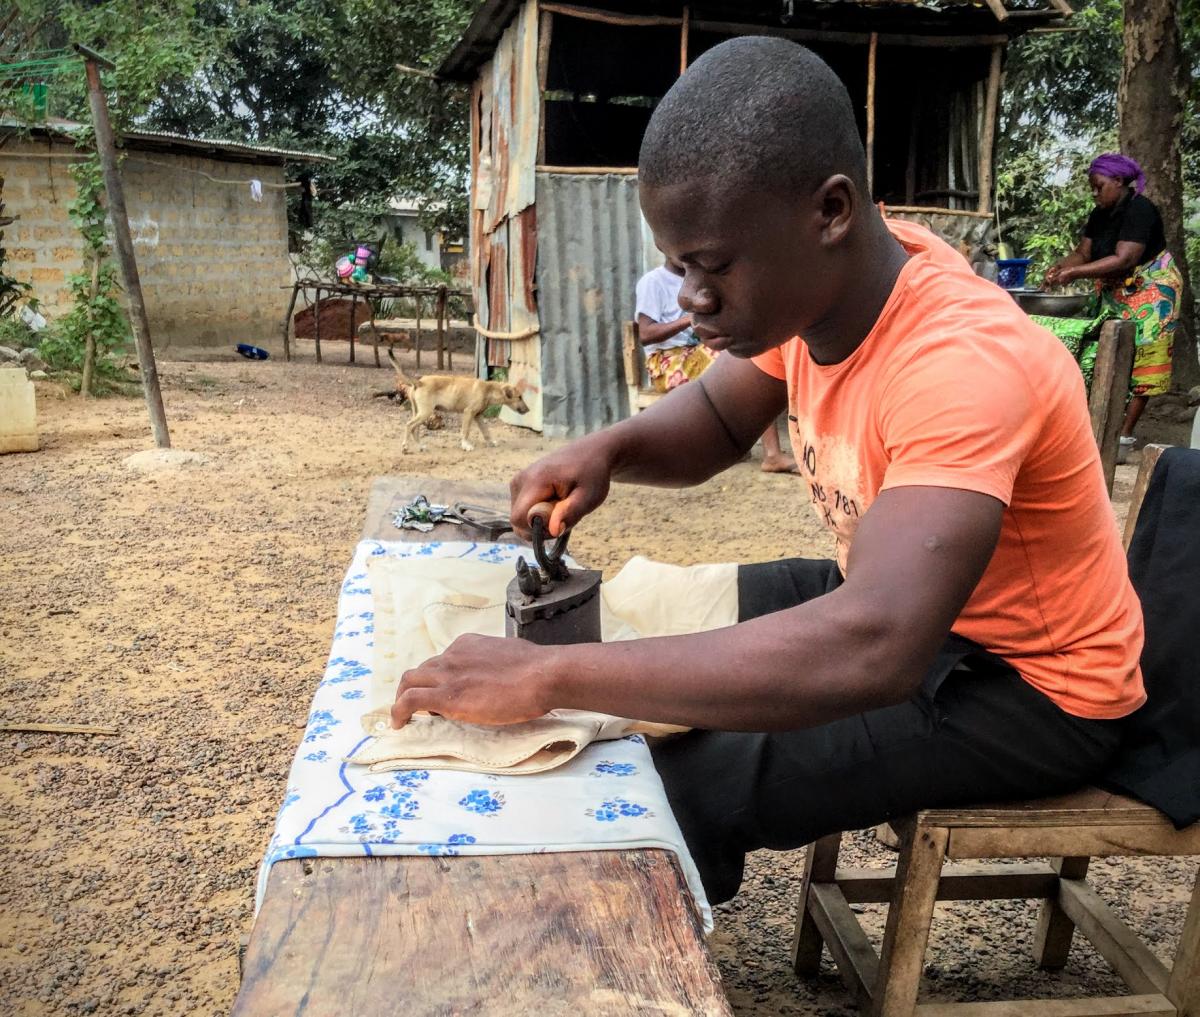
(956, 387)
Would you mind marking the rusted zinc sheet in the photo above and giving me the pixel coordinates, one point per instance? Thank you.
(504, 128)
(514, 118)
(589, 258)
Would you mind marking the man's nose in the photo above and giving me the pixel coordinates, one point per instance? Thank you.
(700, 301)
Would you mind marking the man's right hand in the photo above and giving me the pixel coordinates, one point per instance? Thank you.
(575, 479)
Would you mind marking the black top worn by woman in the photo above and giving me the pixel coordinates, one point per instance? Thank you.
(1135, 219)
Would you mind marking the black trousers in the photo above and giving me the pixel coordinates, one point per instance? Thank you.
(975, 732)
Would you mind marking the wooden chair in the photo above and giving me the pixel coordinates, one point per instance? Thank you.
(1070, 830)
(641, 394)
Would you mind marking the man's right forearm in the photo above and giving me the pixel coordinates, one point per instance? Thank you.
(677, 442)
(697, 431)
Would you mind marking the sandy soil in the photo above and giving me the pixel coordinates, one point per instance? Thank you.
(192, 609)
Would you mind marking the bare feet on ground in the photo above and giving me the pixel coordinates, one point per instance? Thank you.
(781, 463)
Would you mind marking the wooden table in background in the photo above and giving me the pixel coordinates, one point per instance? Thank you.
(586, 934)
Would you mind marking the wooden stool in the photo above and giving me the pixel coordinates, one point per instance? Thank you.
(1072, 829)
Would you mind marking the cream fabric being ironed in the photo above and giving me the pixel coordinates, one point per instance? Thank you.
(422, 605)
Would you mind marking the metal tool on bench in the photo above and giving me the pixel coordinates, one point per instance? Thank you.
(548, 602)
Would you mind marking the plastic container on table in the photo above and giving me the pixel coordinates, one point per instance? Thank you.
(1010, 272)
(18, 412)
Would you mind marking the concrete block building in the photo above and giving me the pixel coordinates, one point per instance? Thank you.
(212, 256)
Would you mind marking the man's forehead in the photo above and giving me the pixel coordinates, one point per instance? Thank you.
(692, 217)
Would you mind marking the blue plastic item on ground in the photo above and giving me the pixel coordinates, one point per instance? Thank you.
(1010, 272)
(252, 352)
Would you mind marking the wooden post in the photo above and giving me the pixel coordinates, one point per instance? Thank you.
(1110, 390)
(545, 33)
(872, 51)
(683, 38)
(987, 143)
(287, 322)
(417, 341)
(89, 351)
(353, 316)
(317, 321)
(441, 325)
(374, 331)
(910, 170)
(106, 146)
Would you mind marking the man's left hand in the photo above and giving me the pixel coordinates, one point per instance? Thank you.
(478, 680)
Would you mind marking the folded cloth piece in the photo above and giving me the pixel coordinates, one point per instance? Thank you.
(427, 742)
(422, 605)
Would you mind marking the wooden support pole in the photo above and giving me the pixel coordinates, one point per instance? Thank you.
(89, 351)
(683, 38)
(441, 326)
(987, 143)
(374, 331)
(417, 341)
(872, 52)
(545, 34)
(353, 317)
(106, 146)
(910, 169)
(1110, 391)
(287, 323)
(317, 320)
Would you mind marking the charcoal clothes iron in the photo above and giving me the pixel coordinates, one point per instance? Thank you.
(548, 602)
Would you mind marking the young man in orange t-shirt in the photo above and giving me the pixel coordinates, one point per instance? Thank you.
(977, 637)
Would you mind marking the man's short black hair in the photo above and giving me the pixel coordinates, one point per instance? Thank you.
(754, 112)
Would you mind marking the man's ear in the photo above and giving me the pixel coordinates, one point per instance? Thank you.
(837, 199)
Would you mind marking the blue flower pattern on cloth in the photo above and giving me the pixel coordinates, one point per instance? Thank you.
(485, 803)
(607, 797)
(610, 811)
(449, 848)
(320, 724)
(616, 769)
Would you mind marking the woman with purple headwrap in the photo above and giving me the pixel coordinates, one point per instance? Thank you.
(1124, 250)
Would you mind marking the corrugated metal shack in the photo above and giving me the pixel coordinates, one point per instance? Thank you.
(560, 97)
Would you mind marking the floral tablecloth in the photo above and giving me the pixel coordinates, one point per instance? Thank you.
(608, 797)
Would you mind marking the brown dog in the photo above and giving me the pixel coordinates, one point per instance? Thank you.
(455, 394)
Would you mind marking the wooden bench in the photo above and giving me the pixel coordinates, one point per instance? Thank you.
(1070, 829)
(581, 933)
(641, 394)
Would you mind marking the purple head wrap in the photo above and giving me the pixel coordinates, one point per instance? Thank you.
(1119, 167)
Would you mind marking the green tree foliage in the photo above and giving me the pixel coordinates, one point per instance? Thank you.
(1059, 110)
(321, 75)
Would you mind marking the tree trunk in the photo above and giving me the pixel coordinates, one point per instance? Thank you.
(1151, 109)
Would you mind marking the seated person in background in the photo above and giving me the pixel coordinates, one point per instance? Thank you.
(673, 353)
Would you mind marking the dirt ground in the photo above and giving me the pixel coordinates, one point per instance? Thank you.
(192, 610)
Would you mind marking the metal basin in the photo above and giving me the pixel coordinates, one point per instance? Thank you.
(1057, 305)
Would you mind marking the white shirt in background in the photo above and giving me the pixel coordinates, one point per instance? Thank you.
(658, 299)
